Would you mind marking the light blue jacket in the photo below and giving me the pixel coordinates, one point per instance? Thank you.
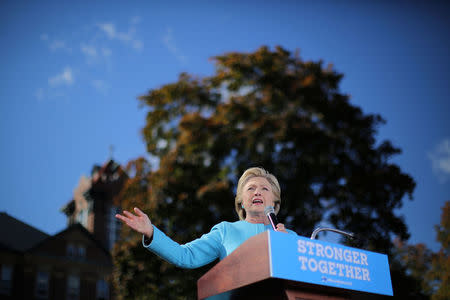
(223, 239)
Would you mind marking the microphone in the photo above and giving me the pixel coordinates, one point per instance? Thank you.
(270, 213)
(316, 231)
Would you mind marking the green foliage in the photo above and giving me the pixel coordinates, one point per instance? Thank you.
(269, 109)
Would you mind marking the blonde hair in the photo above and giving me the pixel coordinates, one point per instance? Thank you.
(246, 176)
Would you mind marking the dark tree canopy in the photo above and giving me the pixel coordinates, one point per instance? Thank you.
(270, 109)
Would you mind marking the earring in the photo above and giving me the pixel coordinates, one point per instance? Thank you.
(242, 205)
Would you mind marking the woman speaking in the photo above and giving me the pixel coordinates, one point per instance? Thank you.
(256, 190)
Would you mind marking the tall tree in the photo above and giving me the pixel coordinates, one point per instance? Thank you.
(427, 274)
(409, 264)
(271, 109)
(439, 275)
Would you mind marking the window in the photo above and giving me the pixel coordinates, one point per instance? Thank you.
(102, 290)
(6, 279)
(81, 251)
(41, 291)
(82, 217)
(76, 251)
(113, 226)
(73, 287)
(71, 252)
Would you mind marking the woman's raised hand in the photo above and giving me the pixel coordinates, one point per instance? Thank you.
(138, 222)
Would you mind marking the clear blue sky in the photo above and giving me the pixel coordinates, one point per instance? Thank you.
(72, 71)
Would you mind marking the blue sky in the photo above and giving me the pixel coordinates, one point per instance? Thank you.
(72, 71)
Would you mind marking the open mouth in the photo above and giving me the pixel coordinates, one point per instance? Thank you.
(257, 201)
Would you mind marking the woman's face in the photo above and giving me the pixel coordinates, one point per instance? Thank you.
(256, 195)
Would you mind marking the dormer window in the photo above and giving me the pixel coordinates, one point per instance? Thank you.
(81, 251)
(71, 250)
(76, 250)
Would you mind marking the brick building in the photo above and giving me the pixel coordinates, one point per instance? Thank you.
(93, 204)
(74, 263)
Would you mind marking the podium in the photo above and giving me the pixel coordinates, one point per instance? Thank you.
(274, 265)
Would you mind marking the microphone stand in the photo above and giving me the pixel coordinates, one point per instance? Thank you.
(316, 231)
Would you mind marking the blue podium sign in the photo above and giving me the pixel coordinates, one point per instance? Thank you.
(317, 262)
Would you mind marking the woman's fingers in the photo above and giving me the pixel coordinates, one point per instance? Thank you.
(129, 215)
(281, 228)
(119, 216)
(139, 212)
(139, 222)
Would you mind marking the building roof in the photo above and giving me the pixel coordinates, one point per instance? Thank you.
(18, 236)
(74, 227)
